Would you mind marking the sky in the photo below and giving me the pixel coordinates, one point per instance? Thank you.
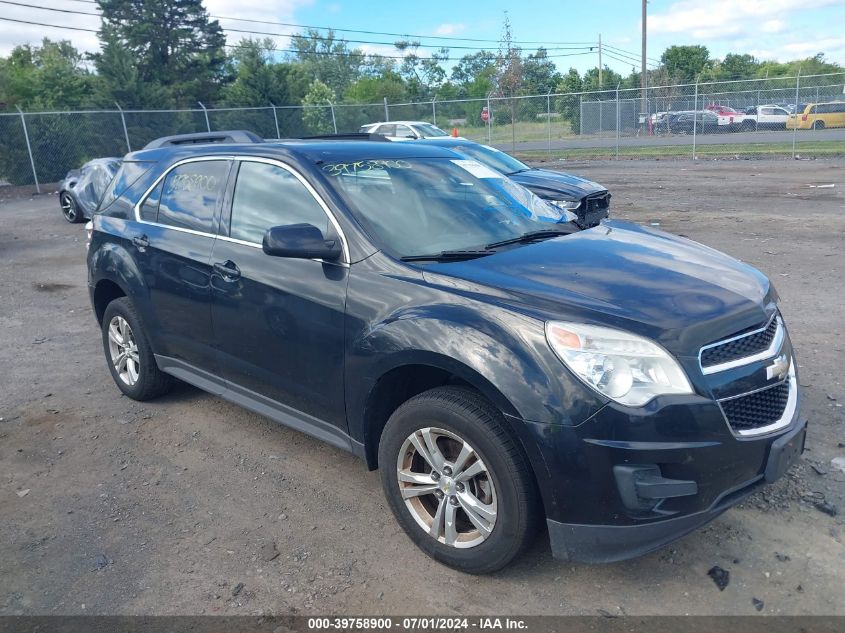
(769, 29)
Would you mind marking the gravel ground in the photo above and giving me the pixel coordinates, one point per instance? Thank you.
(191, 505)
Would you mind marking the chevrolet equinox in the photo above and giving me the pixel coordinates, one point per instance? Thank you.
(500, 366)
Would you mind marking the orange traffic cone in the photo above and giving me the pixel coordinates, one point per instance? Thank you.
(455, 132)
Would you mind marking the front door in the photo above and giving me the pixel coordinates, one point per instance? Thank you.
(278, 322)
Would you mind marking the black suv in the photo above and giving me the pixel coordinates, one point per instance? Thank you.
(499, 365)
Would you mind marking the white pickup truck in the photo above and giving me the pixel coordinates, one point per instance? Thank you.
(764, 117)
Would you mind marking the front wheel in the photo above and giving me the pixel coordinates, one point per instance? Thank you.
(818, 125)
(457, 482)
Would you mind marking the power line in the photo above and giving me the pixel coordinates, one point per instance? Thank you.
(631, 54)
(274, 34)
(55, 26)
(279, 50)
(363, 32)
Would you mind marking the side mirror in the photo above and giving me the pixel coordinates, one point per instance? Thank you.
(300, 241)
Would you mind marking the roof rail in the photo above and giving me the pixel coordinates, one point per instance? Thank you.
(226, 136)
(348, 136)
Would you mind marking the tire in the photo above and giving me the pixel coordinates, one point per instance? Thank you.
(748, 126)
(495, 481)
(129, 355)
(818, 125)
(70, 210)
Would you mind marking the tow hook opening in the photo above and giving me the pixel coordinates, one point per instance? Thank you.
(643, 487)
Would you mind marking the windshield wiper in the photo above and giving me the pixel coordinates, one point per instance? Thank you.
(533, 236)
(447, 256)
(519, 171)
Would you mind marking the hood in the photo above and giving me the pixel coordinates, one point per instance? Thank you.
(556, 184)
(667, 288)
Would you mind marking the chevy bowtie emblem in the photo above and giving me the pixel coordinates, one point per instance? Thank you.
(778, 369)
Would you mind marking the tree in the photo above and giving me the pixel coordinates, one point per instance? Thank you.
(421, 74)
(569, 105)
(472, 67)
(685, 63)
(735, 66)
(375, 89)
(539, 73)
(48, 76)
(509, 72)
(173, 42)
(328, 59)
(317, 115)
(259, 80)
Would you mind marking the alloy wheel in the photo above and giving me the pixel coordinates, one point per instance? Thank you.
(123, 350)
(68, 207)
(447, 488)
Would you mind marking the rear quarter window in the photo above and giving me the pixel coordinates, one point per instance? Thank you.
(128, 174)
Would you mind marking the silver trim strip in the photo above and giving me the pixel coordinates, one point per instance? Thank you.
(783, 421)
(772, 350)
(253, 159)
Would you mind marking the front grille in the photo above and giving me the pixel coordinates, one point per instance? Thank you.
(741, 347)
(757, 409)
(598, 202)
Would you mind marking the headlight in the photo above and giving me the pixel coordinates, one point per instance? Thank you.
(569, 205)
(625, 367)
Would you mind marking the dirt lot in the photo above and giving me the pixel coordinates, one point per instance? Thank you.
(170, 507)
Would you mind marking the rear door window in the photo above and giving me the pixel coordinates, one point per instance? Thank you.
(190, 195)
(403, 131)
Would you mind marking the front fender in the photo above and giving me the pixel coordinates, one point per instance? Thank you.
(503, 354)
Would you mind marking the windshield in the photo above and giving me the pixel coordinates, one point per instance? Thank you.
(428, 130)
(418, 206)
(492, 157)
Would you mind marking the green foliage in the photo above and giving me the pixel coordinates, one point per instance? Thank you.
(376, 89)
(176, 49)
(46, 77)
(259, 80)
(685, 63)
(328, 59)
(318, 117)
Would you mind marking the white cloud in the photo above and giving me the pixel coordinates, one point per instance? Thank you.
(773, 26)
(449, 29)
(726, 19)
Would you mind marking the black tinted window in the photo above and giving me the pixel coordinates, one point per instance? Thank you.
(190, 194)
(127, 175)
(149, 209)
(268, 196)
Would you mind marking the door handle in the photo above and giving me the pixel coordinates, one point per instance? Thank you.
(228, 270)
(141, 241)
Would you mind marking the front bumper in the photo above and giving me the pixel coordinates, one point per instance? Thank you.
(605, 543)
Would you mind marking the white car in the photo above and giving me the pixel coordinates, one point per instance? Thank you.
(403, 130)
(765, 117)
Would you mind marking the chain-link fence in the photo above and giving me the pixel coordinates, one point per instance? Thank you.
(783, 115)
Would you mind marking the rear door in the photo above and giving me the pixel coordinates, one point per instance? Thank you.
(278, 322)
(176, 232)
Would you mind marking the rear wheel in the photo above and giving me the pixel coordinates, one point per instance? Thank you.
(131, 360)
(457, 481)
(70, 210)
(818, 125)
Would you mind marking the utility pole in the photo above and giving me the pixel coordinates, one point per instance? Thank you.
(600, 67)
(643, 79)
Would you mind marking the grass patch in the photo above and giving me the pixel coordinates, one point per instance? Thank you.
(803, 149)
(525, 131)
